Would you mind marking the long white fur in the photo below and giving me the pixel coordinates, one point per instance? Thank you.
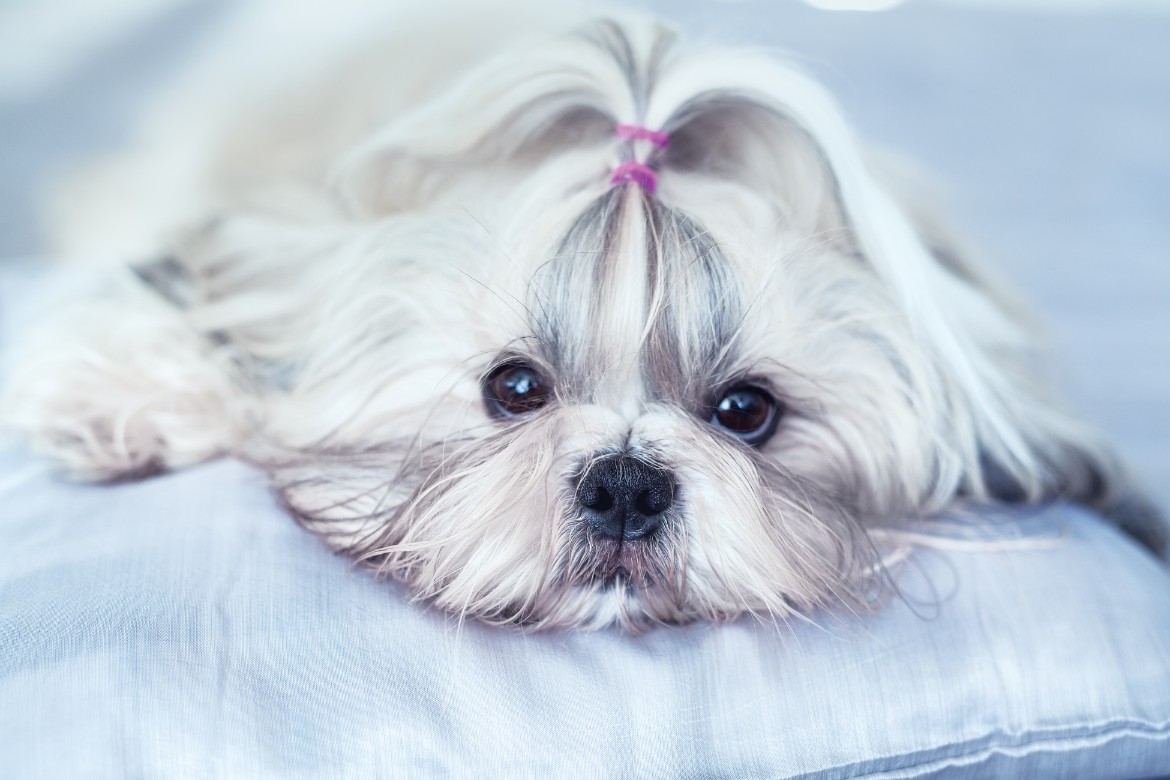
(343, 314)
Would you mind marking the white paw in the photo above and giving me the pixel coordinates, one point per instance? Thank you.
(124, 388)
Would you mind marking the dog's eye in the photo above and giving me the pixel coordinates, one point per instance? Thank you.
(515, 388)
(748, 413)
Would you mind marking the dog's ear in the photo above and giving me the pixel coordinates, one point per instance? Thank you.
(1065, 459)
(1053, 456)
(524, 106)
(726, 137)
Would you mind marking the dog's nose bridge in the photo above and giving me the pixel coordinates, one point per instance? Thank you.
(631, 404)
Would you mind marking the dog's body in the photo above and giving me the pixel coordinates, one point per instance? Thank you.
(468, 355)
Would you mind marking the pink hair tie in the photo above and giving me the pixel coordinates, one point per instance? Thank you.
(639, 133)
(639, 173)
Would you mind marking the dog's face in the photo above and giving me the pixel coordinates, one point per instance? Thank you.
(627, 416)
(540, 398)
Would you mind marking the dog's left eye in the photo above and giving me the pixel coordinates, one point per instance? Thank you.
(748, 413)
(514, 389)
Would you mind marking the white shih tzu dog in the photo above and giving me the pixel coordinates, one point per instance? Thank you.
(595, 328)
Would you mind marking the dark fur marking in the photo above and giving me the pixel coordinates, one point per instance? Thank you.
(169, 278)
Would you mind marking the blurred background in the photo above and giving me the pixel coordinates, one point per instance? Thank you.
(1047, 123)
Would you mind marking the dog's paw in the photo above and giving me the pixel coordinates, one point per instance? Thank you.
(123, 389)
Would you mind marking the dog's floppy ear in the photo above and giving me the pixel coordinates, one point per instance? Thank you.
(729, 138)
(522, 105)
(1070, 460)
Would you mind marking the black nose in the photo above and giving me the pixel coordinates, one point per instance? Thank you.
(624, 498)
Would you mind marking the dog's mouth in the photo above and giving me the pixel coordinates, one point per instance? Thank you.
(633, 562)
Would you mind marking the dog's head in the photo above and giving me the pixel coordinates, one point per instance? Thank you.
(538, 396)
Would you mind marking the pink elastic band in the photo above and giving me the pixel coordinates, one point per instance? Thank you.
(639, 173)
(639, 133)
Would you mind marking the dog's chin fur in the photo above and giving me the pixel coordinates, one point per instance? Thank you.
(340, 343)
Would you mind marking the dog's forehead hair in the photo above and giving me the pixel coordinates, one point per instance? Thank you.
(638, 297)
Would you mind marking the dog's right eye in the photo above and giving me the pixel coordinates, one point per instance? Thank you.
(515, 389)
